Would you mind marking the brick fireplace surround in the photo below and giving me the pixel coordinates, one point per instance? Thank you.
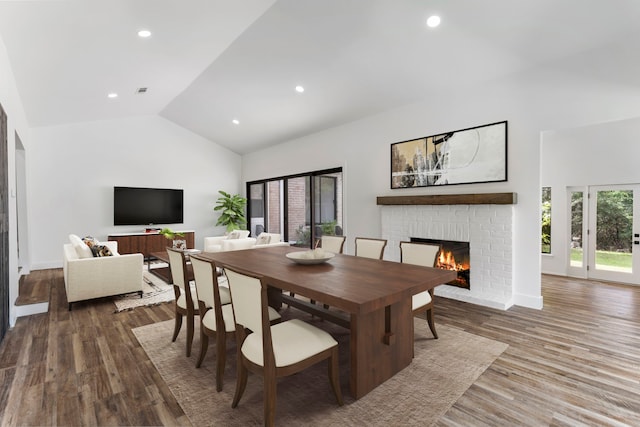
(487, 228)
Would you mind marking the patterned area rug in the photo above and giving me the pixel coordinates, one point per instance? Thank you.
(440, 373)
(154, 291)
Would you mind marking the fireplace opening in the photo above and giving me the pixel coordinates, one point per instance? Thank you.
(454, 256)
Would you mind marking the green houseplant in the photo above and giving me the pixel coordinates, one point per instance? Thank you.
(172, 235)
(232, 211)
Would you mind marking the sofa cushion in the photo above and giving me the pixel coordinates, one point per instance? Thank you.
(81, 247)
(263, 239)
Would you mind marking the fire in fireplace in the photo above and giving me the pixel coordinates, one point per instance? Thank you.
(453, 255)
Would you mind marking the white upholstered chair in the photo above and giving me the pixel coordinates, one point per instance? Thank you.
(425, 255)
(216, 314)
(370, 248)
(274, 351)
(186, 303)
(214, 303)
(333, 244)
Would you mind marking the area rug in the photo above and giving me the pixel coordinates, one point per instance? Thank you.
(440, 373)
(154, 291)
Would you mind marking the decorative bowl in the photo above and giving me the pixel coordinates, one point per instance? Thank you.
(310, 257)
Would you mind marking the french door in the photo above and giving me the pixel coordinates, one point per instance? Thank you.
(605, 233)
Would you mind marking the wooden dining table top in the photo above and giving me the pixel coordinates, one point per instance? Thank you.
(353, 284)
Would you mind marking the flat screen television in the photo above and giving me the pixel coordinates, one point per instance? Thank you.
(147, 206)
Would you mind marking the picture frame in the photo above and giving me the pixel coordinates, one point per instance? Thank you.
(466, 156)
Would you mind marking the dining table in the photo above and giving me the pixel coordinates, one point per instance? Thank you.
(373, 295)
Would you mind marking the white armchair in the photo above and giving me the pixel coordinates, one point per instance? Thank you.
(95, 277)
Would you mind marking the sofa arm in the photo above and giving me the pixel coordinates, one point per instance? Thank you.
(213, 244)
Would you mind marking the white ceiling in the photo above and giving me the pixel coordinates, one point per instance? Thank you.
(210, 61)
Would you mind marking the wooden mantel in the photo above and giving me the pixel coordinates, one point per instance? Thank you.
(451, 199)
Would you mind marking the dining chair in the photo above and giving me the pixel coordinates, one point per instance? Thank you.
(370, 248)
(425, 255)
(334, 244)
(186, 303)
(216, 314)
(274, 351)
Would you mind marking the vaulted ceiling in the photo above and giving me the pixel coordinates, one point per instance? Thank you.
(208, 62)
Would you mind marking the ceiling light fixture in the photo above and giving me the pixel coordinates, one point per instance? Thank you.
(113, 95)
(235, 121)
(299, 89)
(433, 21)
(144, 33)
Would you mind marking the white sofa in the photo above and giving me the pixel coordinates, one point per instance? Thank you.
(87, 277)
(226, 243)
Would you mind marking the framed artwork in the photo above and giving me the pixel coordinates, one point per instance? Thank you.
(465, 156)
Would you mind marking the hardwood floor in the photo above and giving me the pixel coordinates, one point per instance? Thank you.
(576, 362)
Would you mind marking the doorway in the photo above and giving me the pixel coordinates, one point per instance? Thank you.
(605, 234)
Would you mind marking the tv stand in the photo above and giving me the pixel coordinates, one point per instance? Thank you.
(146, 243)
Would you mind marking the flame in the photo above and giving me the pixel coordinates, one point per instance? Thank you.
(447, 261)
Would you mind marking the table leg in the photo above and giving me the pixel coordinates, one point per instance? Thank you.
(381, 346)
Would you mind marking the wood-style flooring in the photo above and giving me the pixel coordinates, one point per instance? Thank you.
(574, 363)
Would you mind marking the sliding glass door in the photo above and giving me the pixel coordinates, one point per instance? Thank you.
(301, 207)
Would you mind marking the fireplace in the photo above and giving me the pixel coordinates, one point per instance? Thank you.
(453, 255)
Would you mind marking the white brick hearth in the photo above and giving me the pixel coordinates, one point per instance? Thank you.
(487, 228)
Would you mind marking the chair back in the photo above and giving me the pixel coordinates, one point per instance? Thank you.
(248, 297)
(333, 244)
(423, 254)
(178, 266)
(207, 286)
(370, 248)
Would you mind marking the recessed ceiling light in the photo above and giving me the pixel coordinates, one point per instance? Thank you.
(433, 21)
(144, 33)
(113, 95)
(299, 89)
(235, 121)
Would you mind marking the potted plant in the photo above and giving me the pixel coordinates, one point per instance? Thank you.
(171, 235)
(232, 211)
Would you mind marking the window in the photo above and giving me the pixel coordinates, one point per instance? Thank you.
(301, 207)
(546, 220)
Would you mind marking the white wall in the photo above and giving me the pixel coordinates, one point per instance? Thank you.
(16, 123)
(73, 168)
(602, 154)
(547, 98)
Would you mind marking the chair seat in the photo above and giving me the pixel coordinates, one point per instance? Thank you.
(420, 300)
(293, 341)
(182, 300)
(225, 297)
(209, 319)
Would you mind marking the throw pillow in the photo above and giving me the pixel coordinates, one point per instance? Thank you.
(81, 247)
(233, 235)
(263, 239)
(101, 250)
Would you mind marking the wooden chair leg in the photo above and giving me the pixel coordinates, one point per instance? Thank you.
(269, 398)
(204, 345)
(176, 328)
(432, 325)
(241, 375)
(241, 383)
(334, 375)
(221, 358)
(190, 330)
